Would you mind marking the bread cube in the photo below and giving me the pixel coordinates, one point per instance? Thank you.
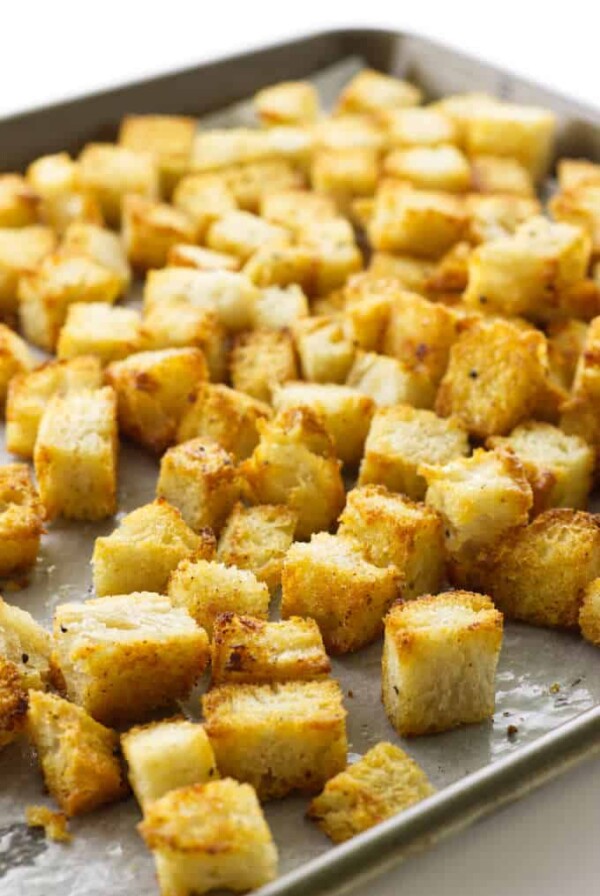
(19, 203)
(146, 547)
(13, 703)
(453, 637)
(199, 478)
(163, 756)
(210, 836)
(25, 644)
(461, 106)
(79, 757)
(63, 202)
(580, 206)
(389, 381)
(411, 272)
(498, 174)
(558, 467)
(574, 173)
(225, 415)
(260, 361)
(345, 174)
(282, 738)
(21, 520)
(203, 198)
(257, 538)
(566, 342)
(101, 330)
(150, 229)
(179, 324)
(420, 333)
(442, 168)
(186, 255)
(495, 377)
(371, 91)
(294, 464)
(538, 573)
(289, 102)
(100, 245)
(418, 127)
(589, 613)
(220, 148)
(494, 216)
(242, 234)
(250, 182)
(75, 455)
(15, 357)
(345, 412)
(418, 222)
(154, 389)
(297, 210)
(109, 172)
(336, 255)
(124, 656)
(282, 266)
(277, 308)
(525, 133)
(400, 439)
(344, 132)
(329, 580)
(380, 784)
(366, 304)
(326, 353)
(21, 251)
(168, 138)
(204, 589)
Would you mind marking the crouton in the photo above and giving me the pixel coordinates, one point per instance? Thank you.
(13, 702)
(418, 127)
(589, 613)
(100, 245)
(199, 478)
(453, 637)
(574, 173)
(289, 102)
(260, 361)
(580, 206)
(345, 174)
(225, 415)
(492, 217)
(210, 836)
(203, 198)
(250, 182)
(21, 251)
(442, 168)
(389, 381)
(348, 132)
(420, 333)
(257, 538)
(371, 91)
(498, 174)
(366, 304)
(525, 133)
(79, 757)
(326, 353)
(101, 330)
(163, 756)
(400, 439)
(179, 324)
(54, 824)
(186, 255)
(335, 253)
(282, 738)
(242, 233)
(109, 172)
(282, 266)
(297, 210)
(19, 203)
(15, 357)
(451, 274)
(277, 308)
(411, 272)
(418, 222)
(146, 547)
(62, 201)
(329, 580)
(294, 464)
(150, 229)
(460, 106)
(75, 455)
(26, 644)
(377, 786)
(168, 138)
(566, 342)
(21, 520)
(124, 656)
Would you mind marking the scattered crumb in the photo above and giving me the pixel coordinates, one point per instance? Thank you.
(53, 823)
(511, 732)
(507, 712)
(576, 682)
(554, 688)
(351, 694)
(11, 585)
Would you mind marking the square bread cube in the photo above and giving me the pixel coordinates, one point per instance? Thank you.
(26, 644)
(492, 217)
(200, 479)
(109, 172)
(335, 252)
(282, 738)
(453, 637)
(79, 757)
(15, 357)
(62, 201)
(141, 553)
(122, 657)
(443, 168)
(260, 361)
(150, 229)
(21, 251)
(154, 390)
(343, 132)
(558, 466)
(525, 133)
(580, 206)
(495, 377)
(573, 173)
(13, 703)
(250, 182)
(230, 294)
(498, 174)
(297, 210)
(282, 266)
(203, 198)
(411, 272)
(294, 464)
(21, 520)
(220, 148)
(75, 455)
(346, 413)
(179, 324)
(345, 174)
(417, 222)
(163, 756)
(100, 245)
(589, 613)
(205, 588)
(329, 580)
(372, 91)
(19, 203)
(325, 351)
(168, 138)
(277, 308)
(246, 650)
(400, 439)
(187, 255)
(395, 531)
(566, 343)
(420, 333)
(586, 379)
(418, 127)
(225, 415)
(380, 784)
(101, 330)
(366, 302)
(210, 836)
(257, 538)
(289, 102)
(389, 381)
(243, 233)
(460, 106)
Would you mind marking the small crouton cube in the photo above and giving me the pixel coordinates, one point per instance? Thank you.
(574, 173)
(525, 133)
(346, 413)
(257, 538)
(495, 377)
(329, 580)
(242, 234)
(26, 644)
(495, 216)
(366, 303)
(225, 415)
(19, 203)
(451, 274)
(79, 757)
(186, 255)
(168, 138)
(430, 168)
(101, 330)
(382, 783)
(124, 656)
(297, 209)
(326, 353)
(252, 181)
(63, 202)
(21, 251)
(15, 357)
(282, 266)
(179, 324)
(418, 127)
(420, 333)
(389, 381)
(203, 198)
(294, 464)
(580, 206)
(586, 380)
(260, 361)
(100, 245)
(395, 531)
(199, 478)
(453, 637)
(566, 342)
(411, 272)
(220, 148)
(558, 466)
(146, 547)
(460, 106)
(372, 91)
(109, 172)
(497, 174)
(277, 307)
(204, 588)
(150, 229)
(210, 836)
(345, 174)
(346, 132)
(282, 738)
(13, 703)
(153, 391)
(290, 102)
(336, 255)
(246, 650)
(400, 439)
(163, 756)
(21, 520)
(75, 455)
(54, 824)
(417, 222)
(589, 613)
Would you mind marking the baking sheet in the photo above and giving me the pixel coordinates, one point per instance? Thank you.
(544, 679)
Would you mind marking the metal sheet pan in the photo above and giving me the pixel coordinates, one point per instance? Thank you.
(476, 768)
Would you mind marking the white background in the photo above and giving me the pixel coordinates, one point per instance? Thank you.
(548, 843)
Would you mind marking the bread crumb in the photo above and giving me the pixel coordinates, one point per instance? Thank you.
(53, 823)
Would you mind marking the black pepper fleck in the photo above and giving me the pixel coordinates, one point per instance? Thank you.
(24, 657)
(473, 374)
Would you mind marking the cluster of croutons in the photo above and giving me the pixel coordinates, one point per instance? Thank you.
(453, 373)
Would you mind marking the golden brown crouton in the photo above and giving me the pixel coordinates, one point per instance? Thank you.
(288, 102)
(325, 351)
(109, 172)
(573, 173)
(418, 127)
(21, 520)
(100, 245)
(525, 133)
(410, 271)
(418, 222)
(187, 255)
(389, 381)
(345, 174)
(443, 168)
(500, 174)
(372, 91)
(26, 644)
(168, 138)
(282, 266)
(15, 357)
(179, 324)
(21, 251)
(566, 342)
(297, 209)
(589, 613)
(352, 131)
(242, 233)
(257, 538)
(19, 203)
(13, 702)
(99, 329)
(492, 217)
(336, 255)
(260, 361)
(225, 415)
(276, 308)
(420, 333)
(62, 200)
(150, 229)
(203, 198)
(251, 182)
(54, 824)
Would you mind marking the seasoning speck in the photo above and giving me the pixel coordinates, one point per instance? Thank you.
(511, 732)
(554, 688)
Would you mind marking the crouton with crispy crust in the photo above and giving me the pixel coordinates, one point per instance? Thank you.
(257, 538)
